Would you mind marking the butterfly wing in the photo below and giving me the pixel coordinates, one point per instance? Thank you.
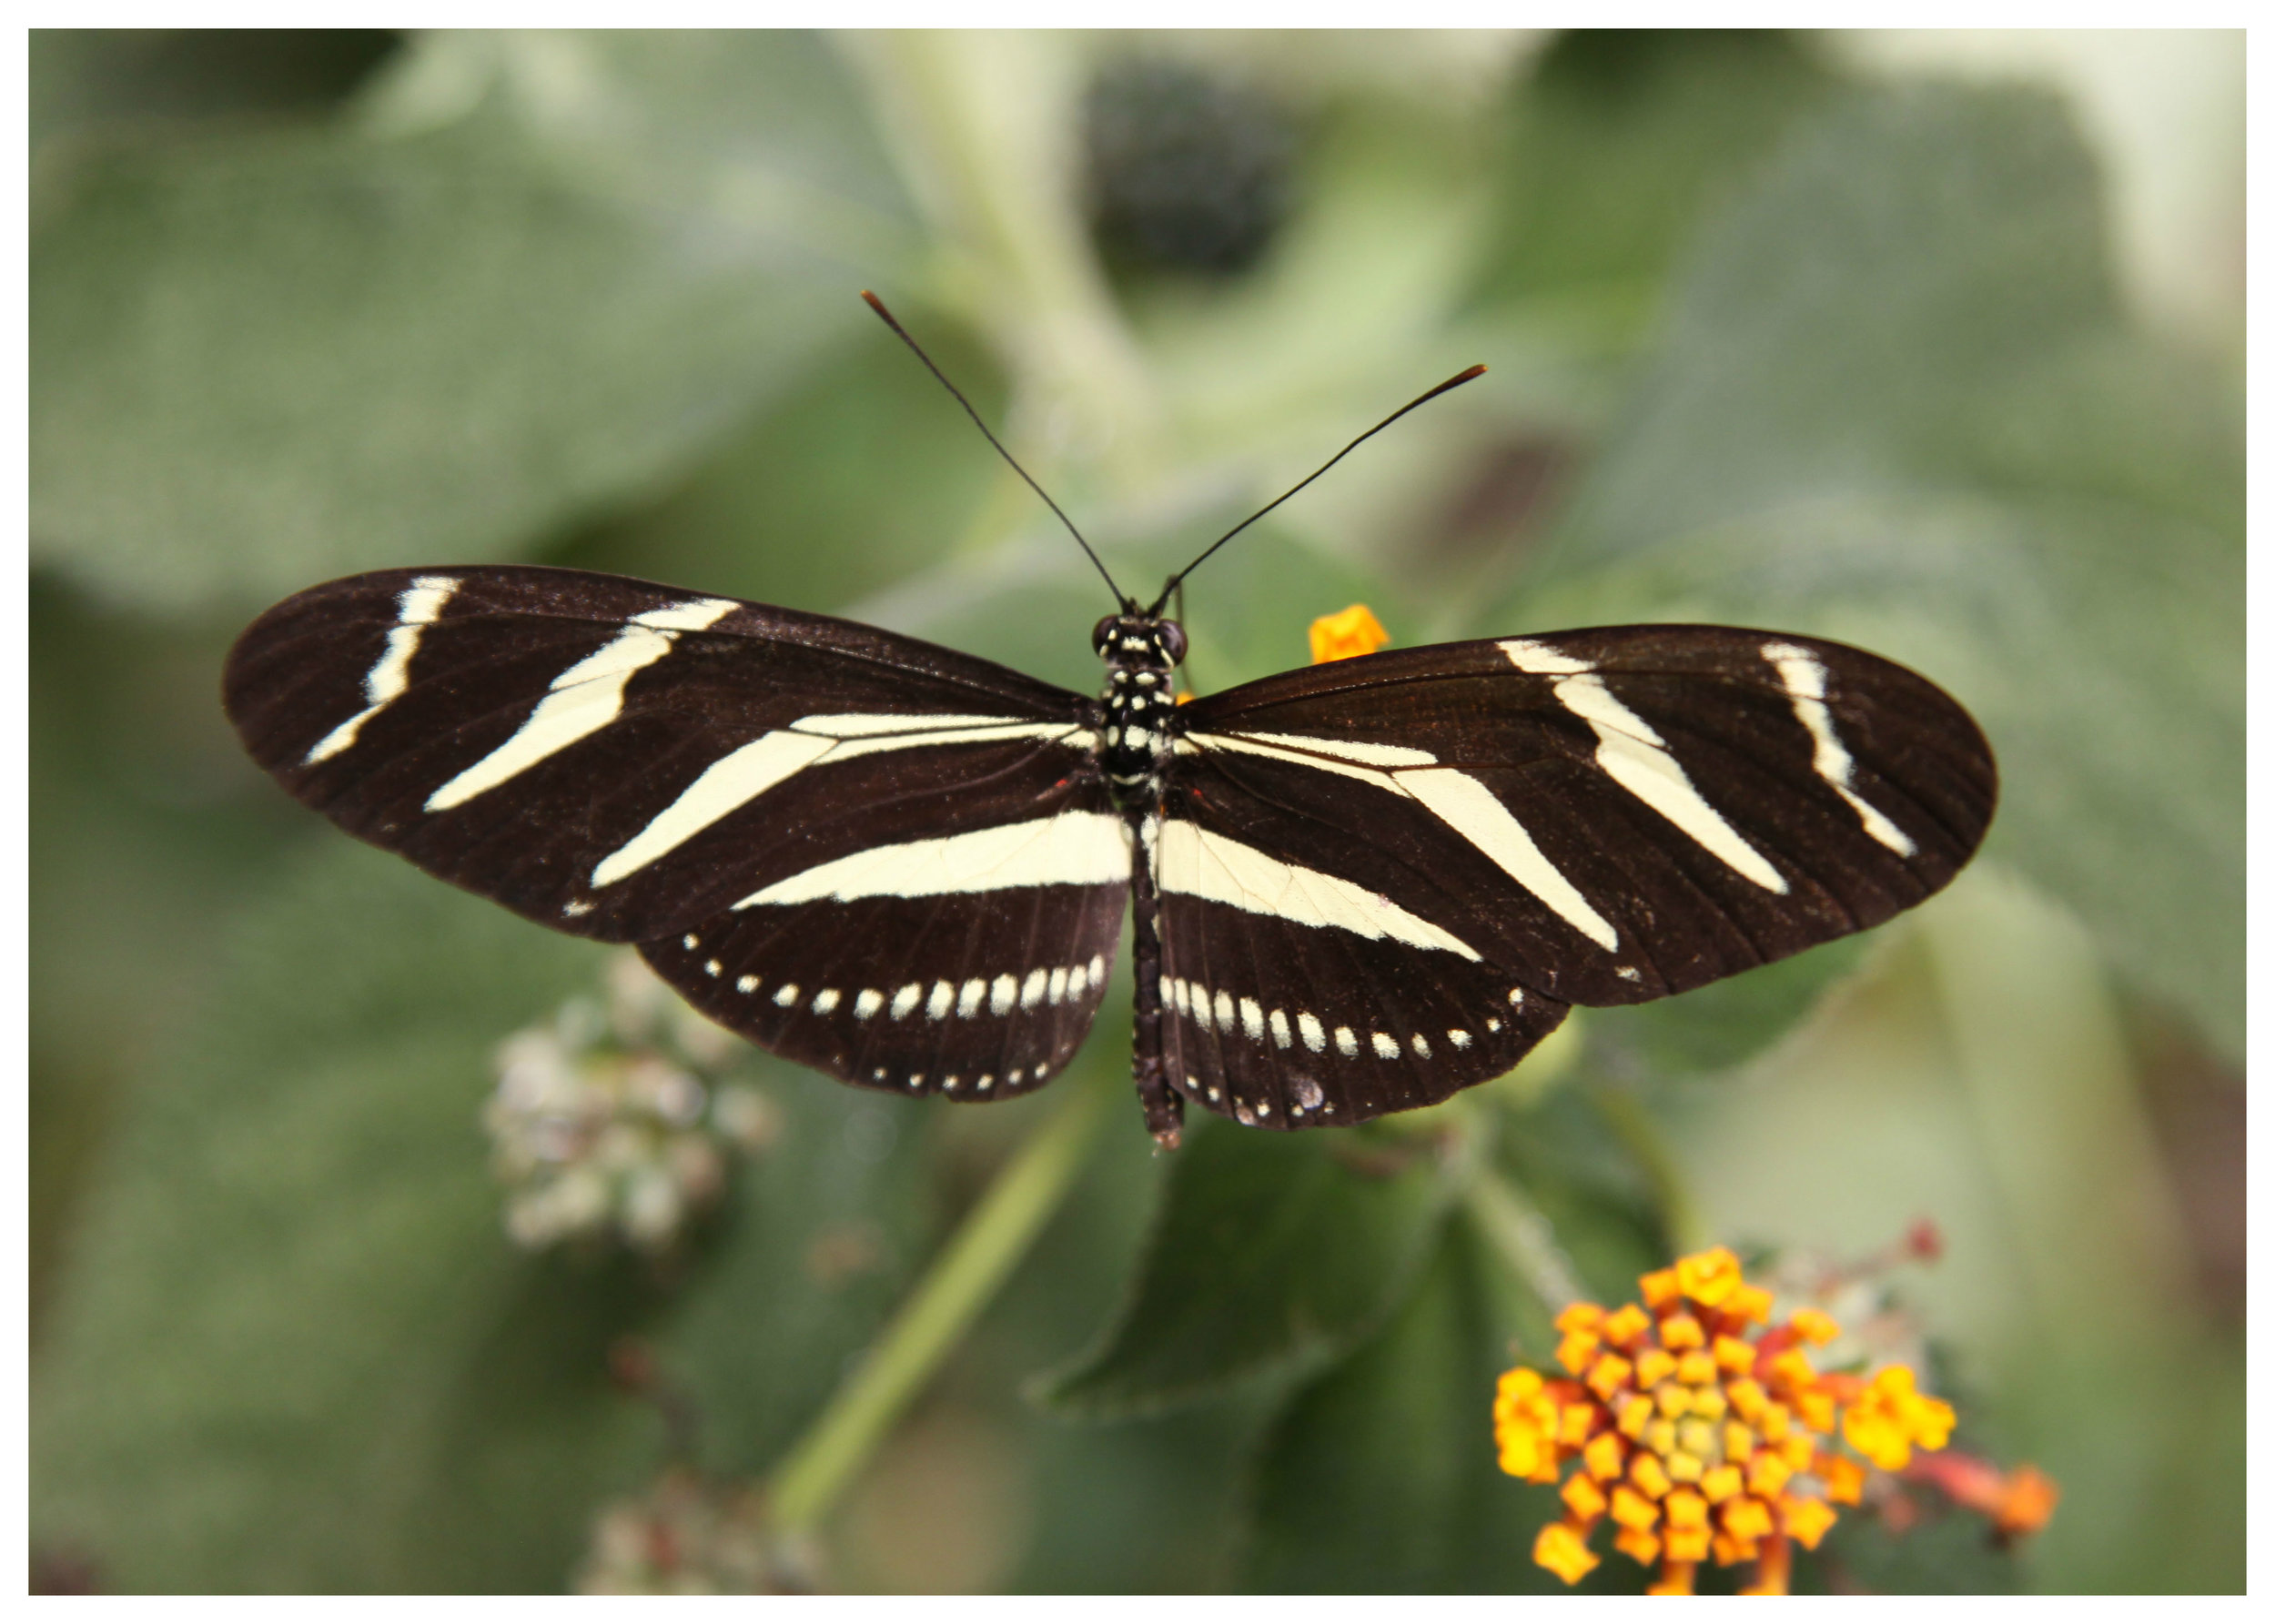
(788, 811)
(1430, 853)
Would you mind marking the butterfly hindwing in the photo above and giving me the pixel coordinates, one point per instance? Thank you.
(975, 996)
(621, 760)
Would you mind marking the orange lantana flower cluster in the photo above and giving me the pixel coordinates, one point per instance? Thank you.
(1702, 1430)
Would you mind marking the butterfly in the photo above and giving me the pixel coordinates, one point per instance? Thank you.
(1357, 887)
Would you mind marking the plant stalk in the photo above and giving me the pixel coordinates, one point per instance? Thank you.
(821, 1465)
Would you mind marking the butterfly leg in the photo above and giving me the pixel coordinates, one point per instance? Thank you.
(1164, 1110)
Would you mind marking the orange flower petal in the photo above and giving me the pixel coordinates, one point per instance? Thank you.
(1632, 1510)
(1346, 635)
(1605, 1457)
(1680, 1331)
(1805, 1518)
(1626, 1324)
(1579, 1317)
(1709, 1277)
(1584, 1499)
(1647, 1473)
(1563, 1552)
(1814, 1324)
(1639, 1543)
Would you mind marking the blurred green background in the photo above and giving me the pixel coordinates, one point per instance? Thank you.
(1928, 343)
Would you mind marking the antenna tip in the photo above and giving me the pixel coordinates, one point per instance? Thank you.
(1476, 371)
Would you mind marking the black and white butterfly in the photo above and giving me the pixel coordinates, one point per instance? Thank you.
(1359, 887)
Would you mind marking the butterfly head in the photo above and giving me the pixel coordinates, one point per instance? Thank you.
(1144, 642)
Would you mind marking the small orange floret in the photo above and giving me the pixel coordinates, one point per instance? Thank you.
(1639, 1543)
(1632, 1510)
(1608, 1374)
(1576, 1349)
(1815, 1325)
(1891, 1415)
(1688, 1546)
(1680, 1331)
(1634, 1414)
(1647, 1473)
(1722, 1482)
(1520, 1383)
(1584, 1499)
(1793, 1368)
(1654, 1365)
(1686, 1509)
(1734, 1355)
(1767, 1474)
(1748, 1519)
(1748, 1302)
(1579, 1317)
(1624, 1325)
(1708, 1279)
(2028, 1502)
(1346, 635)
(1805, 1518)
(1660, 1287)
(1605, 1457)
(1844, 1479)
(1564, 1552)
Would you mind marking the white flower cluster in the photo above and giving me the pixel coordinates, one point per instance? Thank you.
(611, 1117)
(685, 1537)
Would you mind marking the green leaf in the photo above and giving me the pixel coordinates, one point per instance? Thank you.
(1717, 1027)
(861, 473)
(1382, 1476)
(1896, 405)
(1270, 1249)
(1620, 141)
(543, 274)
(298, 1352)
(95, 78)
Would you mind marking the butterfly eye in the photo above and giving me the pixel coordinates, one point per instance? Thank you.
(1101, 632)
(1172, 641)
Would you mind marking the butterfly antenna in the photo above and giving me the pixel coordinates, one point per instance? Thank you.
(1178, 581)
(876, 304)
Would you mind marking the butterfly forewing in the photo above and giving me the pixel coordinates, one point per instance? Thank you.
(1397, 845)
(621, 760)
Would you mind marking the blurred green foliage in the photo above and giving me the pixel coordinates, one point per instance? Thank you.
(1795, 350)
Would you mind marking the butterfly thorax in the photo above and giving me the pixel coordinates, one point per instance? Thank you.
(1141, 655)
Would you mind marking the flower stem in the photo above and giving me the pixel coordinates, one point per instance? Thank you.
(821, 1465)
